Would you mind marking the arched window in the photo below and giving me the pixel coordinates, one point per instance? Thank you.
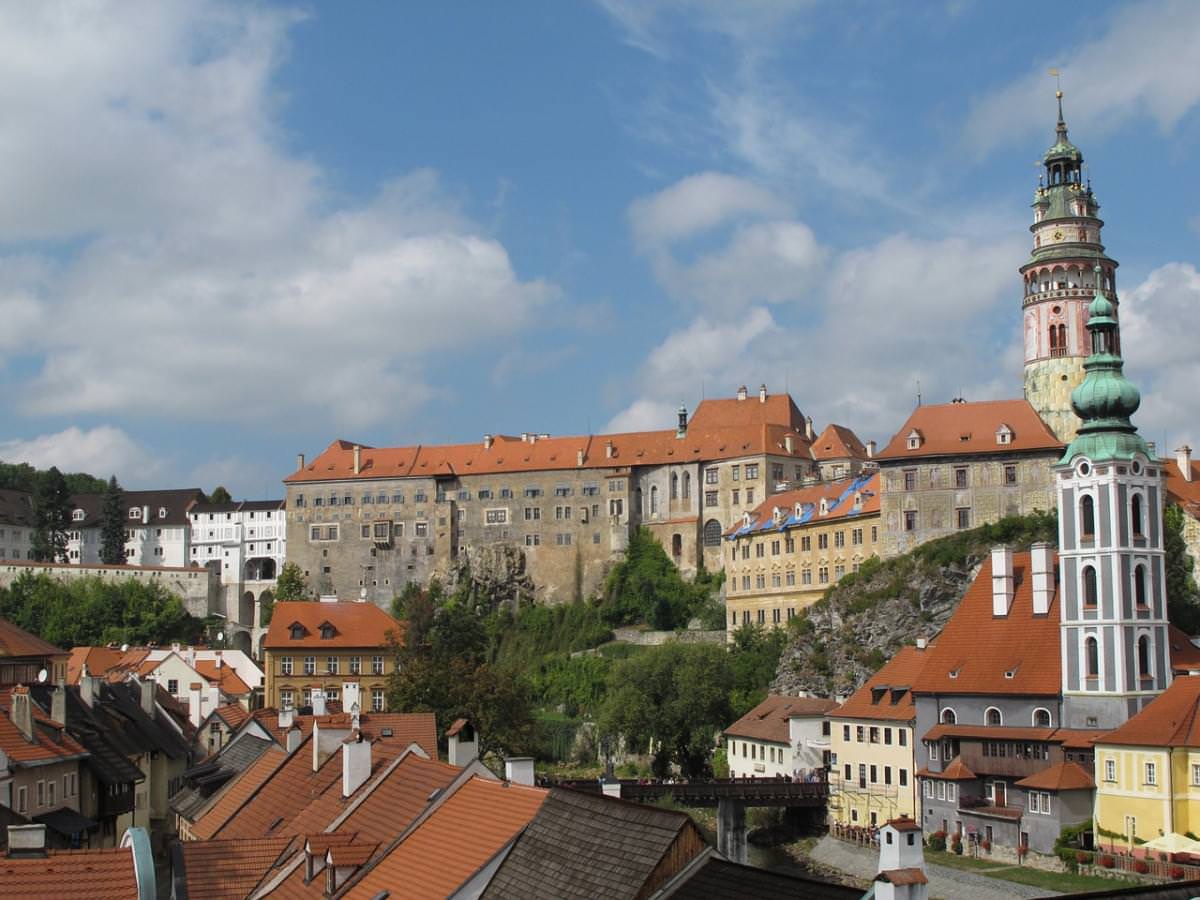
(687, 485)
(1087, 518)
(1091, 654)
(1135, 512)
(993, 716)
(1041, 718)
(712, 533)
(1143, 655)
(1139, 585)
(638, 498)
(674, 485)
(677, 545)
(1090, 593)
(949, 717)
(654, 500)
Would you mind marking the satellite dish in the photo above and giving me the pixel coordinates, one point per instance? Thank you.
(42, 676)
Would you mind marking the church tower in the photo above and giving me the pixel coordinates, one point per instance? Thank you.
(1115, 652)
(1060, 282)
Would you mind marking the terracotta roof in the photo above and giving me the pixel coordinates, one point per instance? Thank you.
(956, 771)
(802, 506)
(719, 429)
(1185, 656)
(976, 652)
(838, 442)
(355, 625)
(769, 720)
(98, 874)
(959, 429)
(16, 641)
(904, 823)
(218, 869)
(455, 727)
(234, 794)
(888, 693)
(232, 714)
(1063, 776)
(351, 854)
(903, 876)
(1172, 719)
(462, 833)
(51, 742)
(225, 677)
(108, 663)
(1183, 491)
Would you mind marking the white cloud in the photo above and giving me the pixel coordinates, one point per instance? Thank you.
(102, 451)
(216, 279)
(744, 22)
(698, 203)
(1143, 65)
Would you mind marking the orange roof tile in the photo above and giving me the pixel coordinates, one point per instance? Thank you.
(903, 876)
(107, 662)
(1185, 656)
(462, 834)
(904, 823)
(226, 677)
(98, 874)
(1184, 491)
(51, 742)
(220, 869)
(355, 625)
(232, 714)
(888, 693)
(1021, 644)
(1172, 719)
(234, 794)
(838, 442)
(769, 720)
(956, 429)
(839, 497)
(957, 770)
(1063, 776)
(16, 641)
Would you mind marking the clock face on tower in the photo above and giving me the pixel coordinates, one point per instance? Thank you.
(1058, 235)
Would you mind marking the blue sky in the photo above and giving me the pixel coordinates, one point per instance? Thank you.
(234, 232)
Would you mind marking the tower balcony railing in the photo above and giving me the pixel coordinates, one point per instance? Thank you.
(1056, 352)
(1084, 292)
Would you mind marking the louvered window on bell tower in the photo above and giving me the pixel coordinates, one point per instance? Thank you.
(1091, 652)
(1090, 594)
(1139, 585)
(1087, 519)
(1135, 511)
(1143, 654)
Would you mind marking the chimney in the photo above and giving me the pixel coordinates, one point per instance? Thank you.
(26, 841)
(318, 702)
(789, 443)
(191, 656)
(762, 393)
(299, 461)
(922, 643)
(809, 432)
(58, 704)
(146, 695)
(741, 392)
(326, 740)
(609, 450)
(293, 738)
(356, 763)
(461, 744)
(681, 423)
(176, 646)
(20, 711)
(487, 442)
(357, 459)
(1002, 580)
(519, 770)
(579, 457)
(287, 717)
(870, 449)
(1183, 459)
(194, 691)
(351, 696)
(1043, 577)
(87, 688)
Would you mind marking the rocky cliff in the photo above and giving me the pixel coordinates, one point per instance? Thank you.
(842, 639)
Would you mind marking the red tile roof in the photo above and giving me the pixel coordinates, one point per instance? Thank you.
(225, 677)
(461, 834)
(108, 663)
(17, 642)
(957, 429)
(956, 771)
(1185, 656)
(839, 497)
(903, 876)
(888, 693)
(769, 720)
(1063, 776)
(904, 823)
(51, 742)
(220, 869)
(719, 429)
(1183, 491)
(838, 442)
(96, 874)
(232, 714)
(1172, 719)
(234, 794)
(355, 625)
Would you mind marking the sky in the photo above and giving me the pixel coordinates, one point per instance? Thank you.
(233, 232)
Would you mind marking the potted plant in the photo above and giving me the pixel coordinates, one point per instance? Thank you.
(1176, 873)
(1141, 866)
(1022, 850)
(1107, 861)
(1083, 857)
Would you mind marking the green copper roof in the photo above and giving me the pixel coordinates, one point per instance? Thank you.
(1062, 147)
(1106, 399)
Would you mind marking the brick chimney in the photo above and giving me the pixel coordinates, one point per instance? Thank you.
(1002, 581)
(1042, 555)
(146, 696)
(579, 457)
(21, 712)
(609, 450)
(789, 443)
(1183, 459)
(87, 687)
(58, 704)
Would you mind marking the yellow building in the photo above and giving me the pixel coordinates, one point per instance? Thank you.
(1148, 770)
(783, 556)
(341, 648)
(872, 773)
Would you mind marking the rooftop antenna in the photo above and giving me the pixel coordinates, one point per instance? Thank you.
(918, 392)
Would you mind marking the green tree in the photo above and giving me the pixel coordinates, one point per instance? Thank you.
(51, 517)
(753, 660)
(291, 584)
(112, 525)
(220, 495)
(646, 587)
(1183, 596)
(674, 700)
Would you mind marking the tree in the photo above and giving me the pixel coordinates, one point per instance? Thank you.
(112, 525)
(646, 587)
(220, 495)
(1183, 596)
(291, 584)
(674, 700)
(754, 659)
(51, 517)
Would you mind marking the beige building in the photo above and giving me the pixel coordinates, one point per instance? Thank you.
(783, 556)
(341, 649)
(958, 465)
(559, 510)
(40, 765)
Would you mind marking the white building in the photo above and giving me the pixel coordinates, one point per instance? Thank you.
(156, 527)
(781, 736)
(16, 525)
(901, 862)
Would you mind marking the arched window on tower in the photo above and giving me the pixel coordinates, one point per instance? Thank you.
(1091, 654)
(654, 500)
(1143, 655)
(1090, 594)
(1139, 585)
(687, 485)
(674, 485)
(1087, 519)
(1135, 512)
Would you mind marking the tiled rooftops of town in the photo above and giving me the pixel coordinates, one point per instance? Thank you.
(1172, 719)
(17, 642)
(811, 505)
(888, 693)
(962, 428)
(838, 442)
(46, 742)
(97, 874)
(1063, 776)
(304, 625)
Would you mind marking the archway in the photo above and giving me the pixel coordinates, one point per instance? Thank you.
(246, 609)
(240, 641)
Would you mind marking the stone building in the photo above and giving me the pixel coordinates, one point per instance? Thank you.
(954, 466)
(1068, 267)
(556, 511)
(782, 557)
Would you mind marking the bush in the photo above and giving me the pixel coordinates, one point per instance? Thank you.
(937, 840)
(1083, 857)
(1141, 866)
(1107, 861)
(1176, 873)
(957, 847)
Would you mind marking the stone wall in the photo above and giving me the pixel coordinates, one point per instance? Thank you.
(197, 587)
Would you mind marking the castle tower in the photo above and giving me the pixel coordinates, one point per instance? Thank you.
(1115, 652)
(1060, 282)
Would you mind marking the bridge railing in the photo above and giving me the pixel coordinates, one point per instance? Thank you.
(752, 791)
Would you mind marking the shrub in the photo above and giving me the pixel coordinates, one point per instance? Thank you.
(1141, 866)
(937, 840)
(1083, 857)
(1106, 861)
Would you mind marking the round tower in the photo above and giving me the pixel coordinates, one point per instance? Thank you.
(1060, 282)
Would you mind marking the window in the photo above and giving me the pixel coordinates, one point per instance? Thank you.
(533, 540)
(22, 799)
(736, 472)
(377, 699)
(822, 541)
(1010, 475)
(710, 475)
(331, 665)
(310, 665)
(806, 576)
(562, 540)
(839, 539)
(1139, 585)
(1110, 771)
(285, 666)
(963, 516)
(1041, 718)
(846, 733)
(356, 665)
(376, 665)
(173, 684)
(856, 537)
(421, 529)
(712, 533)
(941, 790)
(910, 520)
(949, 717)
(1143, 656)
(790, 580)
(873, 734)
(760, 550)
(1090, 595)
(1195, 773)
(533, 492)
(1091, 652)
(961, 477)
(928, 789)
(1087, 519)
(562, 513)
(750, 495)
(1135, 511)
(710, 498)
(903, 773)
(887, 736)
(751, 473)
(41, 794)
(495, 516)
(993, 717)
(910, 479)
(532, 513)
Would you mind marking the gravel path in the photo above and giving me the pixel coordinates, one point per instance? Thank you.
(944, 883)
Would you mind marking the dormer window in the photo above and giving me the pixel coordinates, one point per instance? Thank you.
(327, 631)
(914, 439)
(1004, 435)
(824, 506)
(298, 631)
(78, 515)
(135, 512)
(162, 512)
